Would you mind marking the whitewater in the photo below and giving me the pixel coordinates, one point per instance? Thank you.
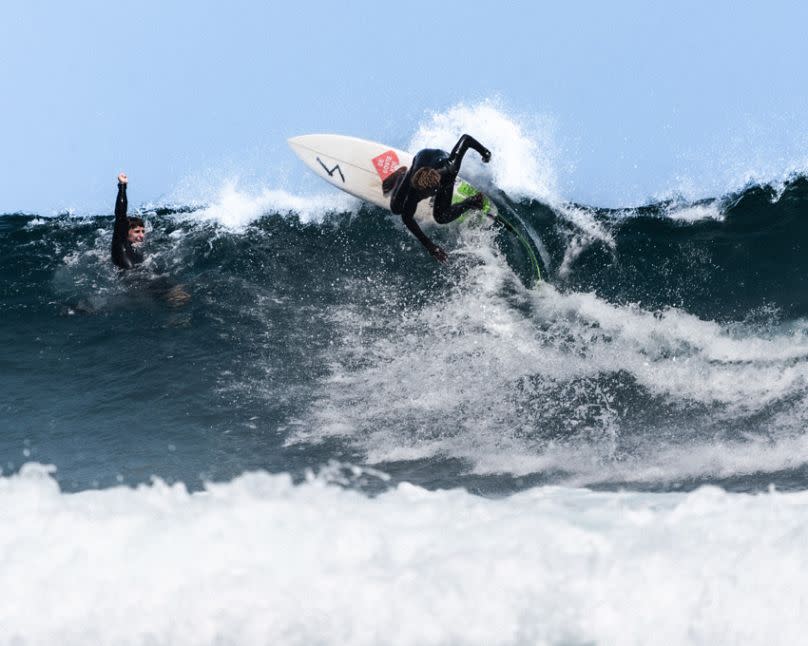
(336, 440)
(260, 560)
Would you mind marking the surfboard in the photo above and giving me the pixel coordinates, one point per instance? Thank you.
(359, 167)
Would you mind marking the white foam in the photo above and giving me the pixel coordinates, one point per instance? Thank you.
(235, 208)
(715, 459)
(588, 230)
(695, 212)
(522, 148)
(732, 172)
(261, 561)
(477, 376)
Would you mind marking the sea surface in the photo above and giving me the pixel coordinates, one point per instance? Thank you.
(290, 425)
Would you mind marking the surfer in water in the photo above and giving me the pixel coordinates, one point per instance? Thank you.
(127, 237)
(128, 231)
(432, 173)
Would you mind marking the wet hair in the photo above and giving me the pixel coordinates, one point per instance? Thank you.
(136, 222)
(425, 179)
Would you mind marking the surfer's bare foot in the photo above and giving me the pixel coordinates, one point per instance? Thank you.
(476, 201)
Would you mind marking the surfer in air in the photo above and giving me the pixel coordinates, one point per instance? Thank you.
(128, 234)
(433, 173)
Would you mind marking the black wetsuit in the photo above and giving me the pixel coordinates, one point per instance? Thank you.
(123, 254)
(405, 198)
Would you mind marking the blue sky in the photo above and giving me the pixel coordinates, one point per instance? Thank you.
(643, 98)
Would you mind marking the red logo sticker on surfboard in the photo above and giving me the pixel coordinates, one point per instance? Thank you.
(386, 164)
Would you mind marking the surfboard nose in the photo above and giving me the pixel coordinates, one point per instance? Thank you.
(299, 141)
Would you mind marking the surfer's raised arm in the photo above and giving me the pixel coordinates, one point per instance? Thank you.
(121, 206)
(127, 232)
(463, 144)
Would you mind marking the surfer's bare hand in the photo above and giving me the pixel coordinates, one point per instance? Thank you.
(439, 255)
(122, 178)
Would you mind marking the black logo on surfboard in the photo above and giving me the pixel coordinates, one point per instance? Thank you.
(333, 170)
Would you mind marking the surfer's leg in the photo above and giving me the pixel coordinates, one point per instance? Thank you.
(444, 213)
(442, 208)
(393, 180)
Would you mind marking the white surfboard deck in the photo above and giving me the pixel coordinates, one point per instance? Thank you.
(359, 167)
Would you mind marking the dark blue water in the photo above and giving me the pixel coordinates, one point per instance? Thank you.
(661, 352)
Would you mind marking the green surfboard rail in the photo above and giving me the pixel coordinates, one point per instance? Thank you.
(463, 190)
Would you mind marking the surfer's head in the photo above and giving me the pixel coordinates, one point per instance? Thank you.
(425, 179)
(137, 230)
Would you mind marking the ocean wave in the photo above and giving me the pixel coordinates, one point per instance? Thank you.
(652, 333)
